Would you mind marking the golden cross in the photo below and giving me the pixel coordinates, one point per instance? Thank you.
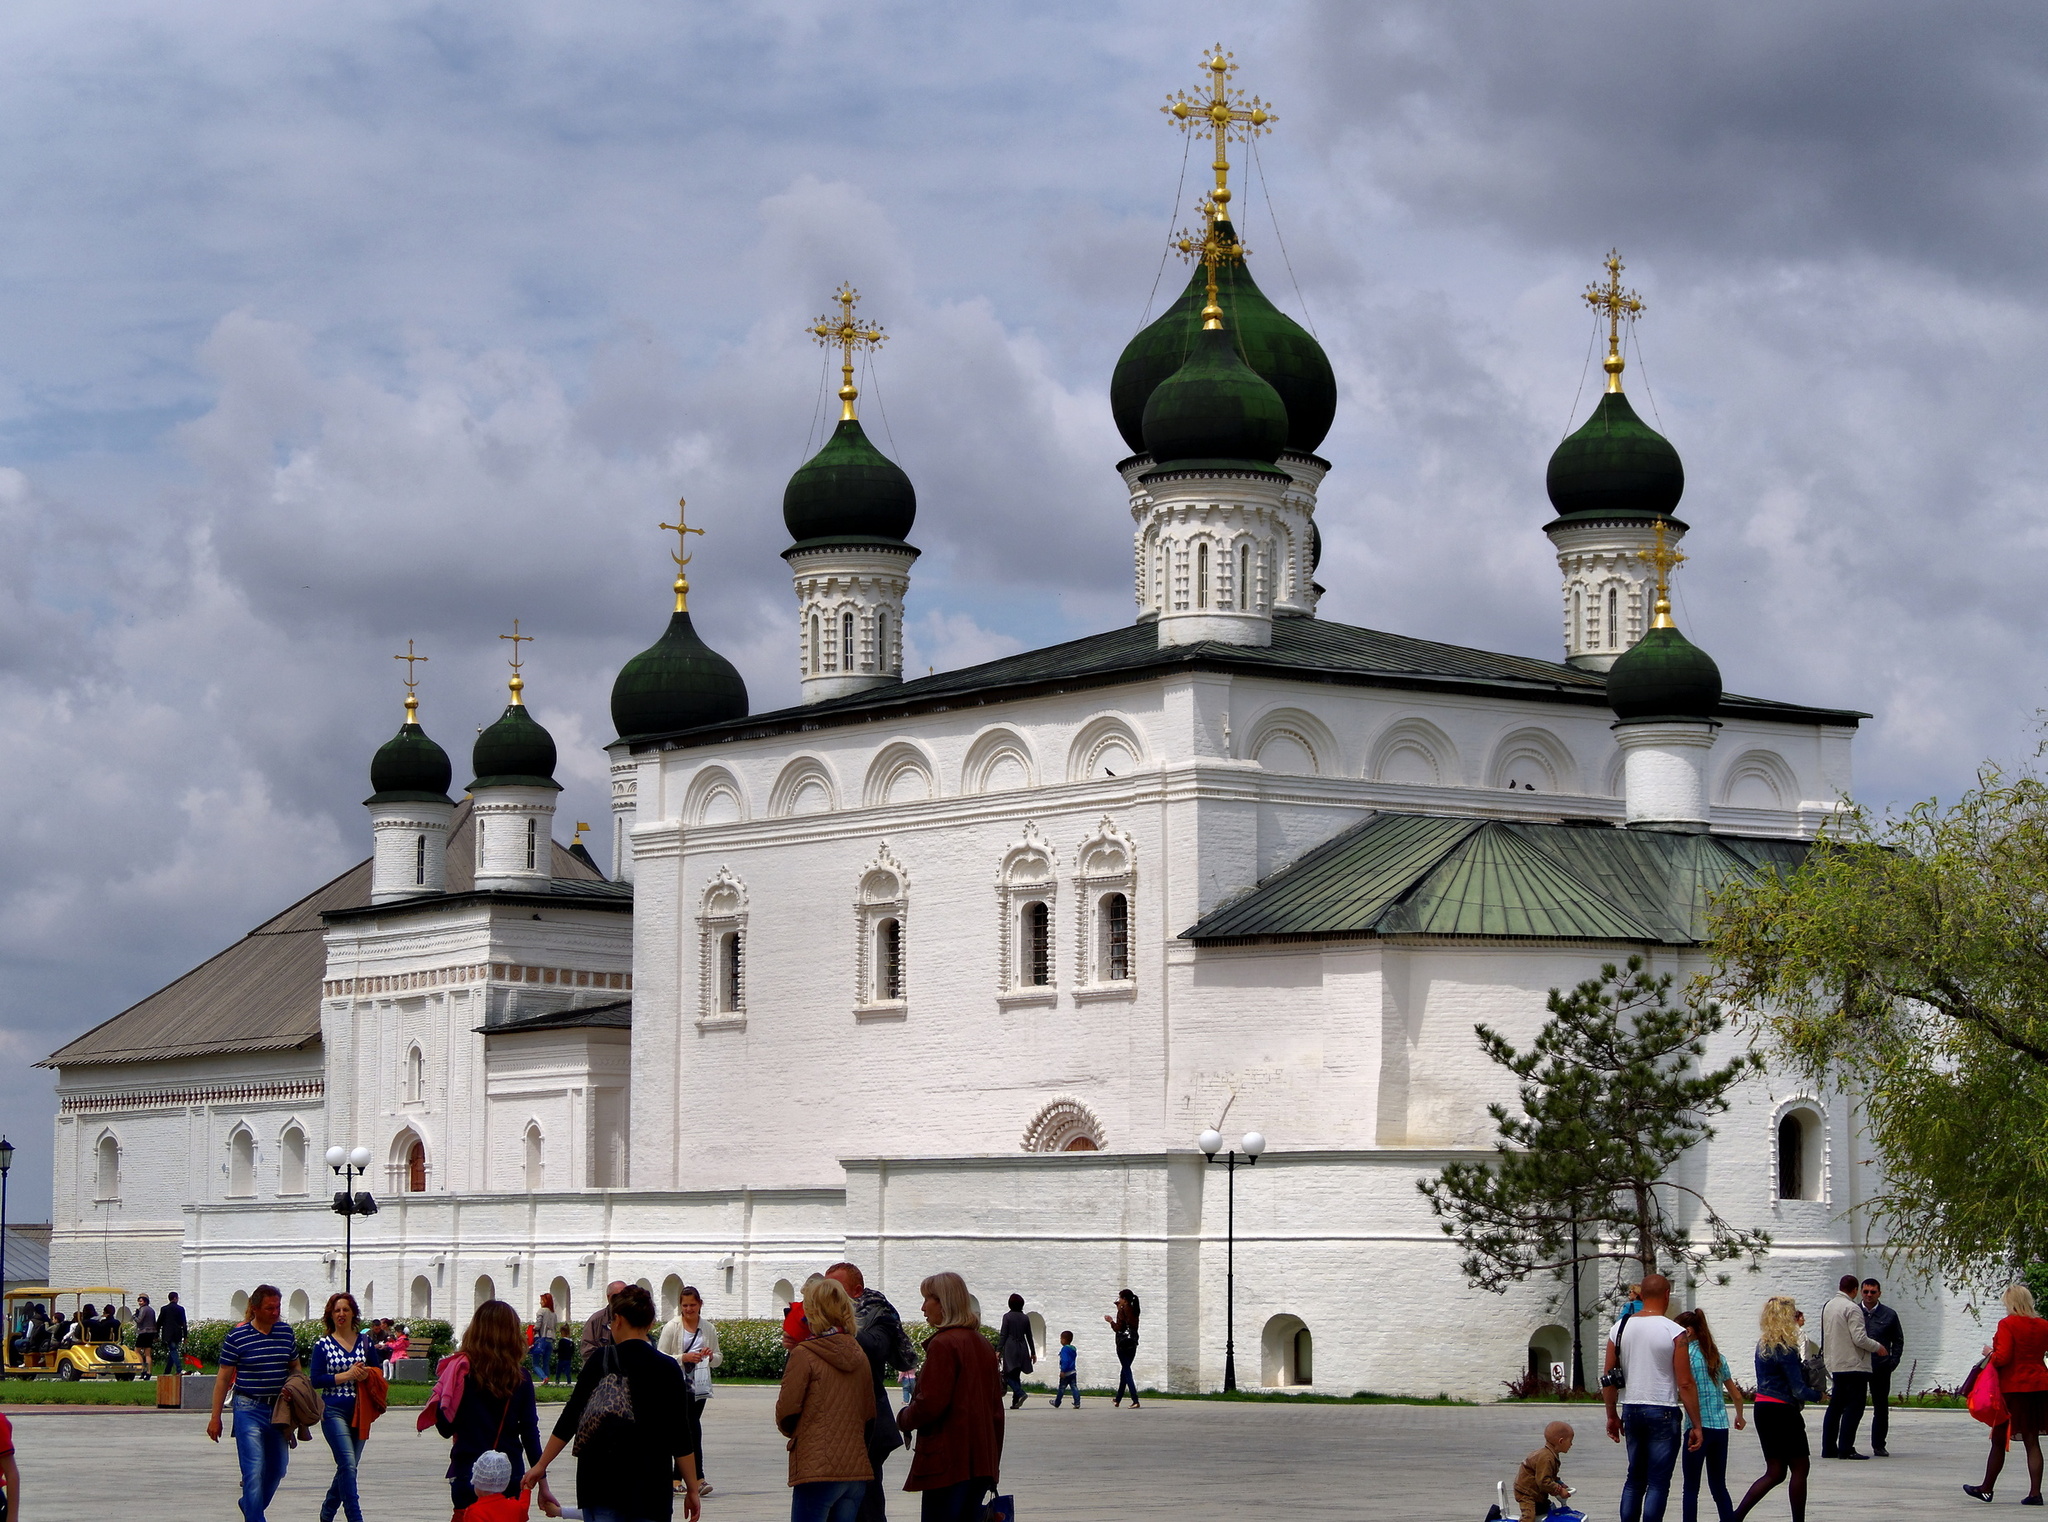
(412, 701)
(1616, 304)
(1666, 558)
(518, 682)
(1215, 251)
(679, 554)
(1226, 113)
(846, 335)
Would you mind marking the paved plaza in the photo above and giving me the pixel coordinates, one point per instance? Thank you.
(1189, 1460)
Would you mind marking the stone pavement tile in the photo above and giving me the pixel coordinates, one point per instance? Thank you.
(1189, 1460)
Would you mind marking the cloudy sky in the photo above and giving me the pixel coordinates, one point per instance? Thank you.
(327, 326)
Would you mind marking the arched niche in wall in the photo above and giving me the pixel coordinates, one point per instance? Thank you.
(1533, 760)
(901, 772)
(806, 786)
(1293, 741)
(999, 761)
(1104, 747)
(714, 796)
(1415, 751)
(1759, 779)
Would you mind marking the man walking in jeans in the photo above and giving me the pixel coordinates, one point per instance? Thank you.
(1845, 1347)
(170, 1329)
(257, 1358)
(1882, 1323)
(1648, 1351)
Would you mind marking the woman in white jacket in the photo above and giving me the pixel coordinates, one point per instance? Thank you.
(693, 1342)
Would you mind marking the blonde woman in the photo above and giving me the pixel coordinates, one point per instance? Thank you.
(2016, 1353)
(1781, 1390)
(827, 1401)
(958, 1407)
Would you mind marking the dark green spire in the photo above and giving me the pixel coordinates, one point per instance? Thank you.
(1664, 676)
(1215, 409)
(1616, 466)
(849, 490)
(678, 682)
(515, 751)
(409, 767)
(1278, 348)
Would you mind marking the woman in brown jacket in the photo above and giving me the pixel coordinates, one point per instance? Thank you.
(958, 1407)
(827, 1401)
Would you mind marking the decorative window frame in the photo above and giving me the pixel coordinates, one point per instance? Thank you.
(721, 908)
(1029, 874)
(106, 1191)
(1823, 1174)
(398, 1161)
(1059, 1123)
(306, 1158)
(410, 1093)
(533, 1157)
(873, 902)
(1106, 863)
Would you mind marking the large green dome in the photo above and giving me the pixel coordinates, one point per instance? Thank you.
(849, 489)
(514, 752)
(1664, 675)
(678, 682)
(1271, 342)
(410, 768)
(1214, 409)
(1615, 466)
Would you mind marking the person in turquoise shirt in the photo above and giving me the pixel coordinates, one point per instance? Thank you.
(1718, 1391)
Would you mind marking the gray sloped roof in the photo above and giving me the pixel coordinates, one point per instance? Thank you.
(1304, 649)
(262, 994)
(616, 1015)
(1412, 874)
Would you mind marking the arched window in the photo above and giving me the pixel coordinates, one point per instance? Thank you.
(422, 1297)
(1800, 1149)
(291, 1172)
(1578, 636)
(732, 971)
(416, 1167)
(108, 1185)
(888, 960)
(1036, 944)
(882, 661)
(415, 1073)
(241, 1164)
(1201, 575)
(419, 861)
(1114, 930)
(846, 642)
(1245, 599)
(536, 1166)
(480, 844)
(817, 650)
(532, 842)
(1288, 1352)
(1613, 619)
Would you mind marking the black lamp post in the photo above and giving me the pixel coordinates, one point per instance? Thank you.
(6, 1162)
(349, 1166)
(1578, 1314)
(1253, 1144)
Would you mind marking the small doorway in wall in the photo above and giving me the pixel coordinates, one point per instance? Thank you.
(1287, 1353)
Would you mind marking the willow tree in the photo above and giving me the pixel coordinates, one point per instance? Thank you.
(1907, 960)
(1613, 1093)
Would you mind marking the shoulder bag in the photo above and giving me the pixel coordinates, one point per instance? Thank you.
(611, 1398)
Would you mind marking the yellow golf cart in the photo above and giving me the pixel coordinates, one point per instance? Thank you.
(27, 1354)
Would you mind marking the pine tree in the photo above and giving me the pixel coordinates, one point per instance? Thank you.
(1611, 1096)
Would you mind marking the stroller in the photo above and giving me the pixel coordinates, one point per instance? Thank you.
(1499, 1512)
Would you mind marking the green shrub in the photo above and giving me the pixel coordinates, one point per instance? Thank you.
(753, 1349)
(203, 1339)
(429, 1336)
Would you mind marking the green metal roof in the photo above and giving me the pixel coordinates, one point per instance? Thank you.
(1304, 649)
(1414, 874)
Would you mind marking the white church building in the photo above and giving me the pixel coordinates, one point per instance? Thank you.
(952, 972)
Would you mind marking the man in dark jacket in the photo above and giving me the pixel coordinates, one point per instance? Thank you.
(170, 1332)
(888, 1346)
(1882, 1323)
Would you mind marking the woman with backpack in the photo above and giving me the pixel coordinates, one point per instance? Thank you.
(483, 1399)
(1124, 1325)
(1781, 1391)
(632, 1422)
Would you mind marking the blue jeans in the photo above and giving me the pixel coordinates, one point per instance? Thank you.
(1125, 1382)
(347, 1448)
(1014, 1383)
(1651, 1433)
(1712, 1456)
(543, 1349)
(259, 1444)
(826, 1500)
(1069, 1382)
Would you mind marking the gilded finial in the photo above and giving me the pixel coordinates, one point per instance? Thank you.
(412, 698)
(1617, 304)
(518, 682)
(679, 554)
(846, 335)
(1223, 112)
(1666, 558)
(580, 828)
(1214, 250)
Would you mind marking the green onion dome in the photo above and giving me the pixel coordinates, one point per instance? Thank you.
(514, 752)
(1664, 676)
(1283, 353)
(678, 682)
(1215, 409)
(1615, 466)
(410, 768)
(849, 489)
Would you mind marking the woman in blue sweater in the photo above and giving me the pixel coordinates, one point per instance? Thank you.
(497, 1409)
(1781, 1392)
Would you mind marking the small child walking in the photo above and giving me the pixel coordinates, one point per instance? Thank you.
(1070, 1378)
(1537, 1482)
(908, 1382)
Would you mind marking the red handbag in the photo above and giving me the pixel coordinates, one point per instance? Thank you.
(1987, 1400)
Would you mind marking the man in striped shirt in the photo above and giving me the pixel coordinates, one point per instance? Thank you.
(255, 1360)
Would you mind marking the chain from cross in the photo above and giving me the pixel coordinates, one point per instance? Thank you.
(1226, 113)
(1611, 301)
(846, 335)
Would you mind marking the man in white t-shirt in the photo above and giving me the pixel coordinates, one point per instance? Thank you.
(1649, 1351)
